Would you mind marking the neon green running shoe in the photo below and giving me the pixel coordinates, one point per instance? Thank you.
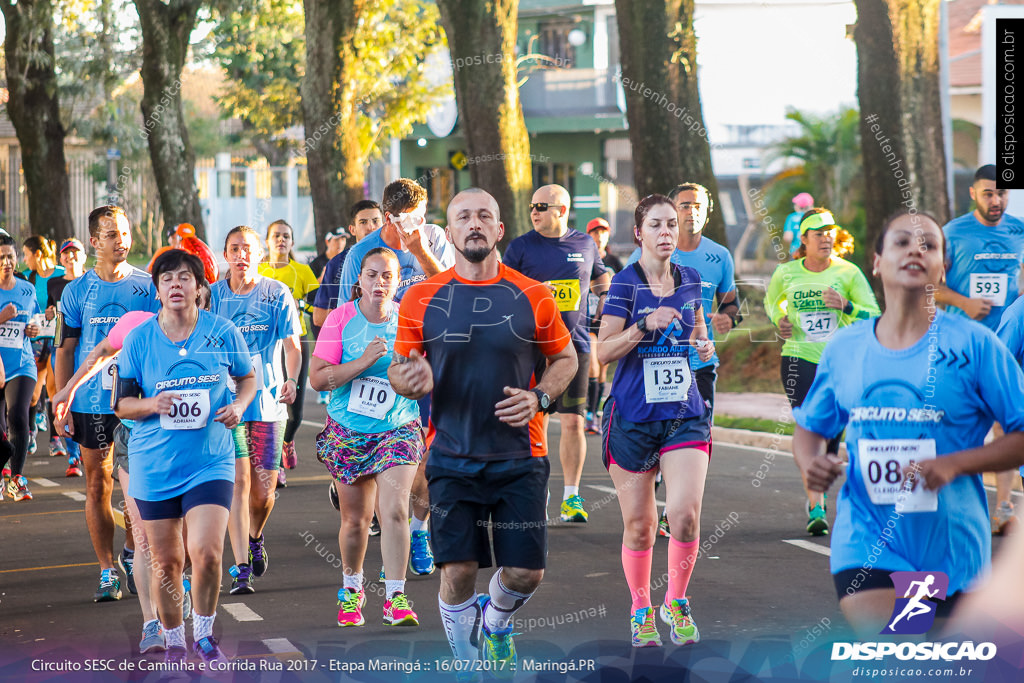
(817, 522)
(644, 628)
(572, 510)
(497, 649)
(676, 613)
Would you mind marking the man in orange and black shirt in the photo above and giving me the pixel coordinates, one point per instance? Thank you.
(474, 335)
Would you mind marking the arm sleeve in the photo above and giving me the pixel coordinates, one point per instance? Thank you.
(821, 412)
(619, 302)
(774, 297)
(863, 298)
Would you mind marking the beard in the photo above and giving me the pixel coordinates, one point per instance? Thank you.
(477, 254)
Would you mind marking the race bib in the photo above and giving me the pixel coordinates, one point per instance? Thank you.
(12, 334)
(191, 410)
(666, 380)
(881, 467)
(991, 286)
(567, 294)
(371, 396)
(818, 325)
(107, 375)
(47, 328)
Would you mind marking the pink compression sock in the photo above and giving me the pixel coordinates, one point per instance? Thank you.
(636, 565)
(681, 558)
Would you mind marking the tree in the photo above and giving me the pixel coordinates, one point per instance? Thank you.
(166, 29)
(490, 114)
(34, 109)
(666, 123)
(901, 109)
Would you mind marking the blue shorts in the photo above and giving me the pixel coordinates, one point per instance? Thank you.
(638, 446)
(216, 492)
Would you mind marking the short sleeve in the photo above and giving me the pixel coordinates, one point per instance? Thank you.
(329, 345)
(620, 299)
(128, 365)
(307, 280)
(443, 250)
(350, 273)
(1010, 331)
(410, 321)
(728, 281)
(240, 363)
(633, 258)
(1000, 383)
(288, 316)
(513, 256)
(821, 412)
(328, 287)
(599, 268)
(71, 307)
(552, 334)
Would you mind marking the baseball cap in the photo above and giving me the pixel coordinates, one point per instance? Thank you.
(182, 230)
(803, 200)
(71, 243)
(337, 232)
(817, 221)
(598, 223)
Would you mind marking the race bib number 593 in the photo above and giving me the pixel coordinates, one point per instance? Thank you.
(991, 286)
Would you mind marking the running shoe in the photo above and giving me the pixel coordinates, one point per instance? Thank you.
(381, 575)
(282, 479)
(207, 650)
(152, 638)
(259, 558)
(127, 563)
(572, 510)
(17, 488)
(332, 495)
(6, 474)
(241, 579)
(421, 558)
(374, 526)
(186, 600)
(1003, 520)
(41, 423)
(323, 398)
(817, 523)
(175, 656)
(109, 588)
(498, 650)
(288, 457)
(594, 424)
(663, 529)
(644, 628)
(74, 467)
(57, 448)
(676, 613)
(398, 612)
(352, 602)
(32, 445)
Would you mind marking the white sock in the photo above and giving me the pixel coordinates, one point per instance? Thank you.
(570, 491)
(175, 636)
(460, 623)
(392, 586)
(417, 524)
(503, 605)
(353, 581)
(202, 627)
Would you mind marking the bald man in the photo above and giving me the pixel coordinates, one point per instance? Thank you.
(568, 262)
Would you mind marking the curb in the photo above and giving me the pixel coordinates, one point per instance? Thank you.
(768, 440)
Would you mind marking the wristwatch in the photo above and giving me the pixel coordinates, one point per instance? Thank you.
(641, 324)
(544, 399)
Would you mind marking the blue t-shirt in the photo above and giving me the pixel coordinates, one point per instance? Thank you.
(792, 226)
(941, 396)
(40, 284)
(569, 263)
(15, 347)
(92, 306)
(984, 262)
(717, 276)
(654, 380)
(368, 403)
(266, 316)
(170, 454)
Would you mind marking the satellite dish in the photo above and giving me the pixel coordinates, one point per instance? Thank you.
(442, 118)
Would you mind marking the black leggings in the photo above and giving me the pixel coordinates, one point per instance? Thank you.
(295, 409)
(797, 378)
(14, 400)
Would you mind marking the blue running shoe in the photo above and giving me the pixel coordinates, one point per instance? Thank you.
(421, 558)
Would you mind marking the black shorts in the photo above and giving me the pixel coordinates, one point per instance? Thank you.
(573, 400)
(638, 446)
(509, 497)
(94, 430)
(706, 378)
(851, 581)
(216, 492)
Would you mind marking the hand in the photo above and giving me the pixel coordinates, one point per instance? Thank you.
(663, 318)
(933, 473)
(785, 328)
(416, 242)
(162, 403)
(230, 415)
(61, 402)
(51, 312)
(31, 330)
(518, 409)
(833, 299)
(705, 348)
(415, 374)
(721, 323)
(288, 392)
(822, 471)
(375, 350)
(8, 312)
(977, 308)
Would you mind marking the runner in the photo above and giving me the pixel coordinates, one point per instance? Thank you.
(174, 237)
(299, 279)
(486, 468)
(263, 311)
(365, 217)
(89, 308)
(373, 440)
(568, 262)
(334, 244)
(17, 306)
(41, 260)
(984, 250)
(791, 228)
(172, 380)
(808, 300)
(72, 258)
(909, 402)
(656, 417)
(599, 231)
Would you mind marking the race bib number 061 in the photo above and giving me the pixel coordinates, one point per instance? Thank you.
(882, 462)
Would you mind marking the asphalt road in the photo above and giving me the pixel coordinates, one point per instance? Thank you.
(761, 593)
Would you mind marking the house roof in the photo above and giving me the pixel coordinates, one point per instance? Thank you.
(965, 40)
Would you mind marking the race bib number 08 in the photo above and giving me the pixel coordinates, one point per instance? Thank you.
(371, 396)
(666, 380)
(12, 335)
(882, 462)
(567, 294)
(991, 286)
(191, 410)
(818, 325)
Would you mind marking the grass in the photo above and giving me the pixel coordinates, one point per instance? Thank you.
(754, 424)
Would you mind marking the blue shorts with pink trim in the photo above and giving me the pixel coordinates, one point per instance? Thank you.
(638, 446)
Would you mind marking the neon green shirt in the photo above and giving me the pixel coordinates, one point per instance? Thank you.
(298, 277)
(796, 293)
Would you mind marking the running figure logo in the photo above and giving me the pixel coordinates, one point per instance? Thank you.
(914, 613)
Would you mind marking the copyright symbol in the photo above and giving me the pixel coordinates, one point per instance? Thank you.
(1007, 174)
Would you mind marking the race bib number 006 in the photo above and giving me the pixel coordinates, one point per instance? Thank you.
(666, 380)
(991, 286)
(191, 410)
(882, 462)
(818, 325)
(371, 396)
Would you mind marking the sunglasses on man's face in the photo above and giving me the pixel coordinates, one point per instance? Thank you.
(542, 206)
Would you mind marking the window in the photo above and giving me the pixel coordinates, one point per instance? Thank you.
(441, 185)
(230, 183)
(553, 39)
(559, 174)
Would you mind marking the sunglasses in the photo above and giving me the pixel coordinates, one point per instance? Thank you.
(542, 206)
